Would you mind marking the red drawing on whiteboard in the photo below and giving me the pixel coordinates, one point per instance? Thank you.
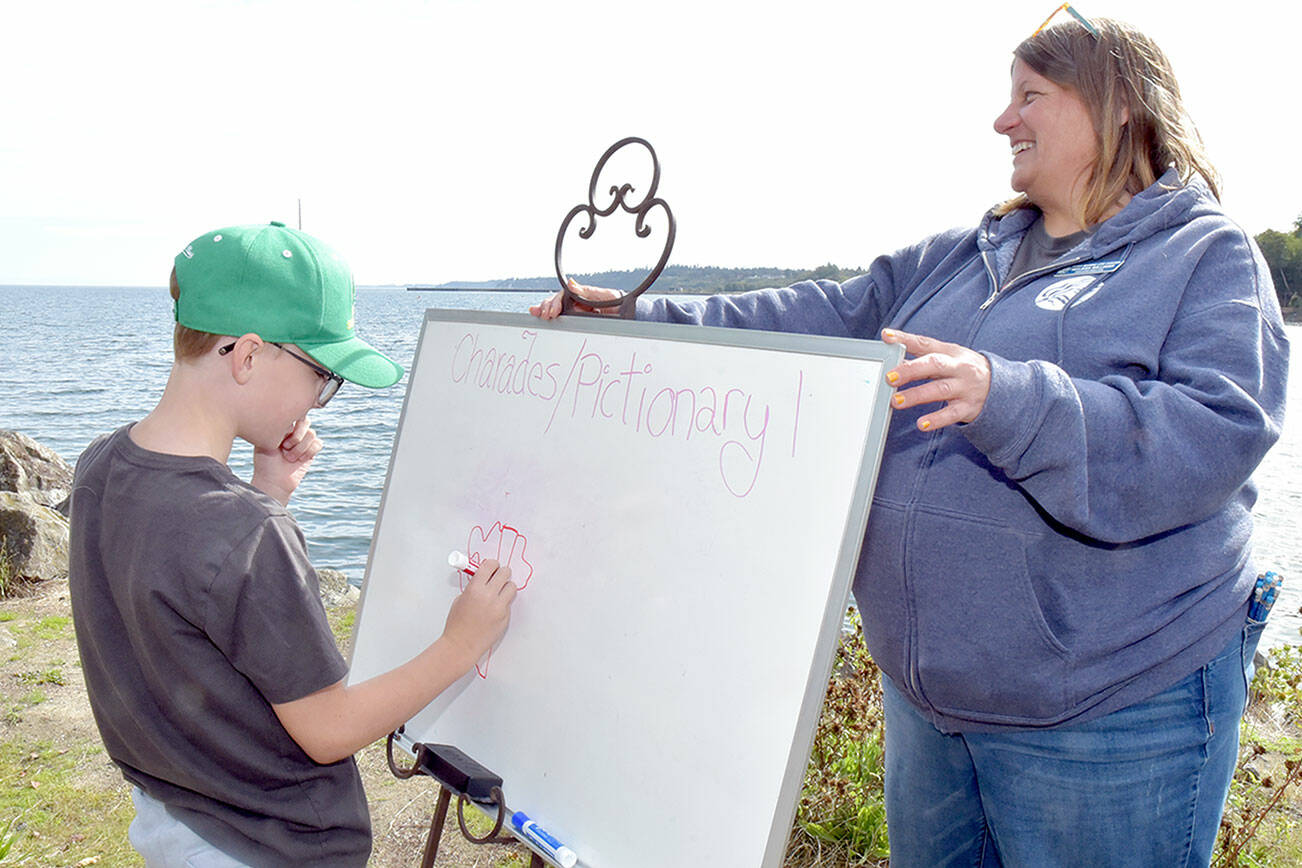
(506, 545)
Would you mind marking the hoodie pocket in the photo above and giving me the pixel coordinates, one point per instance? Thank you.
(879, 589)
(984, 649)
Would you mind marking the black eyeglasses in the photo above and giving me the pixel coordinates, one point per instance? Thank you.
(332, 381)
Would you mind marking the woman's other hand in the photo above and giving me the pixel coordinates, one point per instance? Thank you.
(946, 372)
(551, 308)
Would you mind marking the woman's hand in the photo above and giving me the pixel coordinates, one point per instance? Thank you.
(551, 308)
(944, 372)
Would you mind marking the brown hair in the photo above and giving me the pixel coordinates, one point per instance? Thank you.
(187, 343)
(1118, 72)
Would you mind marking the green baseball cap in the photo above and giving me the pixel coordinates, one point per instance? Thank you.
(285, 286)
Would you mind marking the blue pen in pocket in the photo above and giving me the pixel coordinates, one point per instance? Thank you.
(1264, 594)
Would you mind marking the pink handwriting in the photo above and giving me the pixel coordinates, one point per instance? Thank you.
(626, 392)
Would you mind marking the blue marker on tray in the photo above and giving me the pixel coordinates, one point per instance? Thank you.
(540, 838)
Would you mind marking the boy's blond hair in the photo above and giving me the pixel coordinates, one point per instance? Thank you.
(187, 343)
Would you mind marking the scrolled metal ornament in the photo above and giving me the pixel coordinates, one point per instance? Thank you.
(620, 193)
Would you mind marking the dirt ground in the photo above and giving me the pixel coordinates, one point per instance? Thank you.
(38, 647)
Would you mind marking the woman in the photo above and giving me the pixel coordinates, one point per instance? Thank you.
(1056, 572)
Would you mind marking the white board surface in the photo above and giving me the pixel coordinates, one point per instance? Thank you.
(682, 508)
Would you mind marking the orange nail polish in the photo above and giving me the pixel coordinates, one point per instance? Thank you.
(924, 425)
(899, 400)
(892, 378)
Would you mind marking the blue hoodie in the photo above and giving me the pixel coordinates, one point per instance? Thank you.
(1085, 542)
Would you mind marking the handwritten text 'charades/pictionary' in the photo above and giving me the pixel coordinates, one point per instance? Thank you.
(621, 388)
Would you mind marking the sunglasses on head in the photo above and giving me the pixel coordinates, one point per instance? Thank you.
(1085, 22)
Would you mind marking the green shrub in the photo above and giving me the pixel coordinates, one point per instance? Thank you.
(7, 578)
(841, 818)
(1259, 827)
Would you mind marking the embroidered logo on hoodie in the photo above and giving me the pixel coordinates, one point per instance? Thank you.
(1072, 290)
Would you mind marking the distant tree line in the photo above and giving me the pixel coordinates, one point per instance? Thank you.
(707, 279)
(695, 279)
(1283, 252)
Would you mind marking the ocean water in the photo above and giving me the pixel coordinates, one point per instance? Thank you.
(78, 361)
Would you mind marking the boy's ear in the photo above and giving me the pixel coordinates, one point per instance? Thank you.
(243, 356)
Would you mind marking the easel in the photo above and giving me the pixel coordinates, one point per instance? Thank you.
(447, 766)
(457, 773)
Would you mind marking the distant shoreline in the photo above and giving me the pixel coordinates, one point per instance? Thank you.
(1292, 315)
(656, 291)
(417, 288)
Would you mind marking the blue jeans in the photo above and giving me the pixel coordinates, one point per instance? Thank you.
(1142, 786)
(166, 842)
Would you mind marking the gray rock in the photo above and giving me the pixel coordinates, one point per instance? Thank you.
(335, 589)
(27, 467)
(33, 539)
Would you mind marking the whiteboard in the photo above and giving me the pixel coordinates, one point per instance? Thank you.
(682, 508)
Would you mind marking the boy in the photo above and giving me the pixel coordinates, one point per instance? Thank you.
(211, 670)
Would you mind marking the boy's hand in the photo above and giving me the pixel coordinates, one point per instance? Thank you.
(278, 472)
(478, 617)
(340, 719)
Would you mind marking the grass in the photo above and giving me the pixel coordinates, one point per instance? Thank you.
(53, 627)
(51, 822)
(47, 629)
(341, 624)
(14, 712)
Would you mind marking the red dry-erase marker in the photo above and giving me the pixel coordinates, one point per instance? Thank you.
(461, 562)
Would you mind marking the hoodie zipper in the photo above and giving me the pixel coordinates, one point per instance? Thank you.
(1023, 278)
(912, 673)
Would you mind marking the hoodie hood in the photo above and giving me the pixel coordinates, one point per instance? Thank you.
(1167, 202)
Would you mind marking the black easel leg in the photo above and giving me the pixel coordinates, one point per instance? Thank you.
(436, 829)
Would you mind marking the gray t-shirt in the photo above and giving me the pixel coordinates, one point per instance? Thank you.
(1039, 248)
(196, 608)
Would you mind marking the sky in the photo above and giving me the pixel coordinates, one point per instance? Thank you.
(446, 140)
